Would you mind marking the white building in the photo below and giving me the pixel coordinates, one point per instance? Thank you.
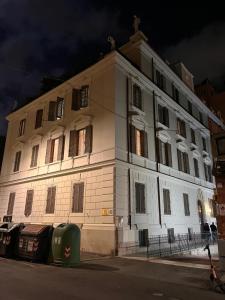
(119, 148)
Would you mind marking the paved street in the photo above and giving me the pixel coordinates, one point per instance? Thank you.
(112, 278)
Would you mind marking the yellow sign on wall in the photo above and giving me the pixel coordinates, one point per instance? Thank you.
(106, 211)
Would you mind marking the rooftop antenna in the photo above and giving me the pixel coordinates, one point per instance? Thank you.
(112, 41)
(136, 23)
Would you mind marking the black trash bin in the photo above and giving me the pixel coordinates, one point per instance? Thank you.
(35, 242)
(9, 235)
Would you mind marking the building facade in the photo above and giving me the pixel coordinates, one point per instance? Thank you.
(121, 149)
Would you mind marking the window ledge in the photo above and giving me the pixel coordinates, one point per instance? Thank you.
(161, 126)
(137, 110)
(180, 138)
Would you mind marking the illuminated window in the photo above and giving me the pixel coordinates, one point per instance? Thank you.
(138, 141)
(34, 156)
(55, 149)
(80, 141)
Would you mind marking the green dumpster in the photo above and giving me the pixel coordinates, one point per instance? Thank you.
(66, 245)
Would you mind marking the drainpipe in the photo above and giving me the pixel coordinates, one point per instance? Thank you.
(157, 157)
(128, 151)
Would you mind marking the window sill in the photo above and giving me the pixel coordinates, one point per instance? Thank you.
(137, 110)
(161, 126)
(180, 138)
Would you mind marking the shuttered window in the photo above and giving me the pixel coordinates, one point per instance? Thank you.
(166, 201)
(137, 96)
(50, 205)
(29, 203)
(208, 173)
(56, 109)
(55, 149)
(78, 197)
(204, 144)
(140, 197)
(11, 204)
(22, 127)
(183, 161)
(34, 156)
(138, 141)
(160, 80)
(181, 128)
(163, 115)
(171, 236)
(165, 154)
(175, 94)
(196, 167)
(39, 116)
(17, 161)
(193, 136)
(80, 98)
(80, 141)
(186, 205)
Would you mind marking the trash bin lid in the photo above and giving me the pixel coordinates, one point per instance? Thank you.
(34, 229)
(9, 227)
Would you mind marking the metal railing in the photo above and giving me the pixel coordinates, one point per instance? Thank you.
(164, 245)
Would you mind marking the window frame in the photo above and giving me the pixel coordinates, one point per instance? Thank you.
(140, 198)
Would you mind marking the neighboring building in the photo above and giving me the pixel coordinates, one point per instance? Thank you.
(122, 149)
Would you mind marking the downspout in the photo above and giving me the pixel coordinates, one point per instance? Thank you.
(157, 158)
(128, 151)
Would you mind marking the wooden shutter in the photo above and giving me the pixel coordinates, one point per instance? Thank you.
(29, 203)
(11, 204)
(52, 111)
(160, 113)
(196, 167)
(78, 197)
(50, 205)
(34, 156)
(168, 154)
(166, 200)
(144, 144)
(186, 205)
(60, 154)
(179, 159)
(186, 163)
(75, 99)
(140, 197)
(132, 139)
(59, 107)
(160, 151)
(48, 151)
(88, 139)
(73, 144)
(39, 116)
(17, 161)
(166, 117)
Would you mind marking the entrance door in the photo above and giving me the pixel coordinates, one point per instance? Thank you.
(200, 215)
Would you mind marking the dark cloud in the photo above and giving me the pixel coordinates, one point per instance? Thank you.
(203, 54)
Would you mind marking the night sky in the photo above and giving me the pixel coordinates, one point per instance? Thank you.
(58, 38)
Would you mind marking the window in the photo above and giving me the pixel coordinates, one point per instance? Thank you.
(190, 110)
(29, 203)
(34, 156)
(171, 236)
(190, 233)
(17, 161)
(160, 80)
(80, 97)
(163, 115)
(137, 96)
(193, 140)
(140, 197)
(56, 109)
(39, 116)
(80, 141)
(204, 144)
(181, 128)
(183, 161)
(22, 127)
(208, 173)
(166, 201)
(138, 141)
(196, 167)
(50, 205)
(143, 237)
(55, 149)
(175, 94)
(11, 204)
(186, 205)
(78, 197)
(165, 154)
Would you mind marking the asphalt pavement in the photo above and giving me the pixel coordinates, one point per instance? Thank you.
(104, 278)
